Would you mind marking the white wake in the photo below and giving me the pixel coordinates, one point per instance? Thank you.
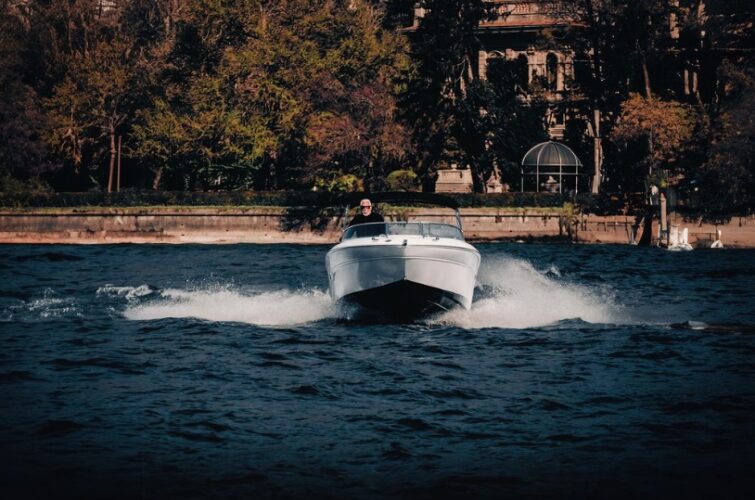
(275, 308)
(521, 296)
(517, 296)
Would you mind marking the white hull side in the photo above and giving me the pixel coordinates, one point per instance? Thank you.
(450, 266)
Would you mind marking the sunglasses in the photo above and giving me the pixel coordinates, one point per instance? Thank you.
(366, 206)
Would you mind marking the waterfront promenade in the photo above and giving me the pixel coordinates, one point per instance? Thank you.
(226, 225)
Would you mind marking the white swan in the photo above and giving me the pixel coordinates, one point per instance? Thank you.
(679, 243)
(717, 243)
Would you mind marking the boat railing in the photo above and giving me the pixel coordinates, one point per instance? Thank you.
(424, 229)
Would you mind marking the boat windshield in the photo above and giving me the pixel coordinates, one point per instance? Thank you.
(425, 229)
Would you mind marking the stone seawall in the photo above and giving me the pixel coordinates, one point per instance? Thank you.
(279, 225)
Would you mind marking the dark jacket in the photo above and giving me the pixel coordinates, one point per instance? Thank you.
(361, 219)
(372, 229)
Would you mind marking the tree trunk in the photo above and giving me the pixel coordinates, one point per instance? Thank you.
(370, 174)
(277, 173)
(112, 161)
(597, 152)
(594, 20)
(158, 177)
(478, 178)
(648, 96)
(118, 182)
(646, 77)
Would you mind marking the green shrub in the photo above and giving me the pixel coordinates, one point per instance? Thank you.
(346, 183)
(402, 180)
(10, 184)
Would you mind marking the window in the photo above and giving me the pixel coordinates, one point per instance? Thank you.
(523, 71)
(551, 72)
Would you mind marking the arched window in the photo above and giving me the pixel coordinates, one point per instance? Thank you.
(551, 71)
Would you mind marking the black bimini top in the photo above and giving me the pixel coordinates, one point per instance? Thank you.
(353, 199)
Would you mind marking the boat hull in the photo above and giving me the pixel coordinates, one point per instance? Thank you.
(403, 278)
(401, 301)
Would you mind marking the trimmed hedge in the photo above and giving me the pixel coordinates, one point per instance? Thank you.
(165, 198)
(603, 204)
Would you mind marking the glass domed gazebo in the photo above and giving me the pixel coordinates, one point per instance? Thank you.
(551, 164)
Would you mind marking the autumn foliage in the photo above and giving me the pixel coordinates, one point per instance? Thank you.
(202, 95)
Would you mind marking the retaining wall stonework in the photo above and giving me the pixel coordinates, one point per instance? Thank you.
(279, 225)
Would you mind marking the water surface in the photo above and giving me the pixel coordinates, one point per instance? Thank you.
(149, 371)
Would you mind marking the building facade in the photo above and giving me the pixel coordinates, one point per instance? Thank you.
(516, 35)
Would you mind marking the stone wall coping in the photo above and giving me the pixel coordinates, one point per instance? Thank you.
(265, 210)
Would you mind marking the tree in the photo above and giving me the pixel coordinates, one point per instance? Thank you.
(82, 66)
(487, 124)
(616, 43)
(163, 141)
(716, 39)
(93, 101)
(726, 180)
(350, 111)
(445, 47)
(271, 86)
(495, 124)
(668, 128)
(23, 153)
(206, 139)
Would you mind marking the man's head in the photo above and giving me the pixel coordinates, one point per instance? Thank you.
(365, 206)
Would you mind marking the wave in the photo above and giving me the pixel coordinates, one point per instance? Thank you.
(50, 306)
(277, 308)
(517, 295)
(130, 292)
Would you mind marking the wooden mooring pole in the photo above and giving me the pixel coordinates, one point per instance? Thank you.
(663, 235)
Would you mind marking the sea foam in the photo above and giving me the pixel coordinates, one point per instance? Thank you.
(517, 295)
(275, 308)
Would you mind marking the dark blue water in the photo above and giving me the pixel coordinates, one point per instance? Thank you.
(224, 371)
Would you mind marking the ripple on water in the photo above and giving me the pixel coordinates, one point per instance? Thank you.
(16, 376)
(444, 395)
(49, 257)
(197, 436)
(57, 428)
(109, 364)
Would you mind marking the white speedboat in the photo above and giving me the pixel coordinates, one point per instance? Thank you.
(403, 270)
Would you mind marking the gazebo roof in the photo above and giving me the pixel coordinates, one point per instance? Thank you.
(551, 154)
